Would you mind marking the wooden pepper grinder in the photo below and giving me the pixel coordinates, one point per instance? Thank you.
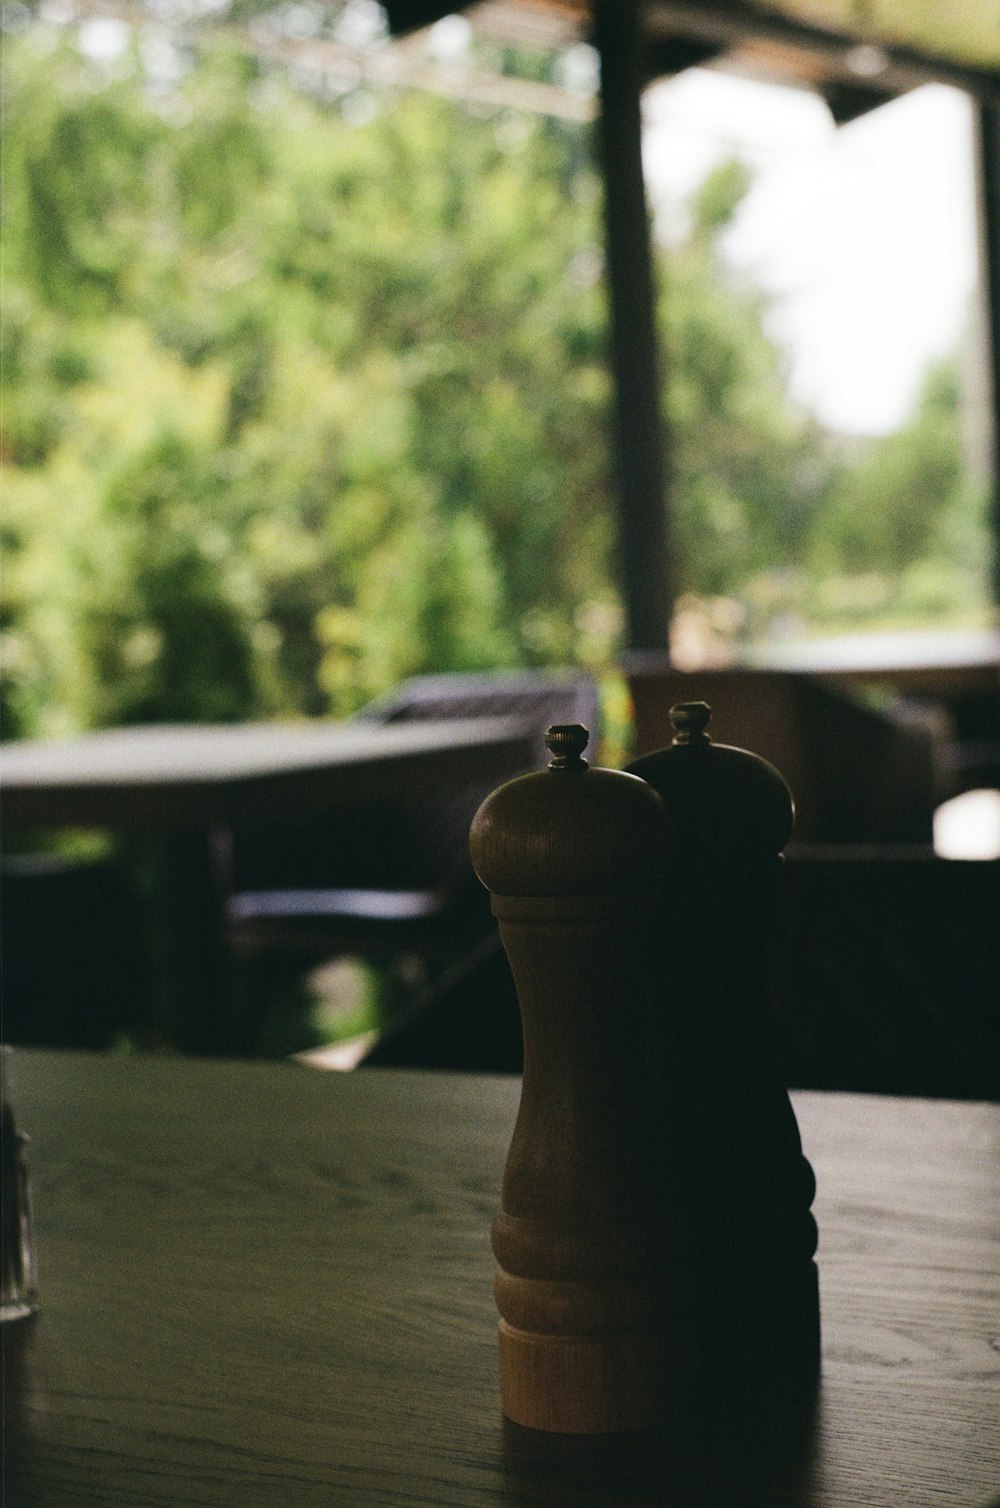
(727, 1130)
(572, 856)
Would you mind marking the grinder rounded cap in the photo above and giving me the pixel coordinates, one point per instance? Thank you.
(725, 802)
(570, 829)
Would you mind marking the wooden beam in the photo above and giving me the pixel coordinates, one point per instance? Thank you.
(988, 163)
(638, 430)
(730, 24)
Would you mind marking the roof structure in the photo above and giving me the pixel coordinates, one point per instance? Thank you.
(856, 53)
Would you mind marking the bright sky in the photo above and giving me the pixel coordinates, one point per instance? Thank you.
(865, 235)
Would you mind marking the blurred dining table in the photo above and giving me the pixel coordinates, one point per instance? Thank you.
(194, 785)
(266, 1285)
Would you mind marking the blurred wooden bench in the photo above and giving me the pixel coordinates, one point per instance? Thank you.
(858, 775)
(957, 671)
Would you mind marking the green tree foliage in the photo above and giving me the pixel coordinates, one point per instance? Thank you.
(165, 625)
(751, 473)
(297, 406)
(905, 518)
(776, 520)
(306, 393)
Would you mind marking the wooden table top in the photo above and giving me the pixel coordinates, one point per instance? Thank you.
(187, 774)
(263, 1285)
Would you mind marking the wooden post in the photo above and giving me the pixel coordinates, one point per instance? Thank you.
(988, 120)
(639, 438)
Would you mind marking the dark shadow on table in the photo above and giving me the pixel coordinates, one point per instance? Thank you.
(758, 1455)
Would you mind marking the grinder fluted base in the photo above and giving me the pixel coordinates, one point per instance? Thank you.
(581, 1385)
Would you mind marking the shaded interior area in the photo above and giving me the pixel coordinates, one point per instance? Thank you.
(884, 955)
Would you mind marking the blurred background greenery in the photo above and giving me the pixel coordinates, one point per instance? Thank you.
(305, 392)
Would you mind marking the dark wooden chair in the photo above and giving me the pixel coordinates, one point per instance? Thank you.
(886, 957)
(859, 774)
(539, 697)
(76, 970)
(885, 971)
(391, 884)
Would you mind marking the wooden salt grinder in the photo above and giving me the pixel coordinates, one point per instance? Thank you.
(726, 1123)
(572, 856)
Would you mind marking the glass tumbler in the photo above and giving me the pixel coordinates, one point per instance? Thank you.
(19, 1284)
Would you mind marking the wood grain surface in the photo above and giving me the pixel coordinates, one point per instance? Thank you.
(263, 1285)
